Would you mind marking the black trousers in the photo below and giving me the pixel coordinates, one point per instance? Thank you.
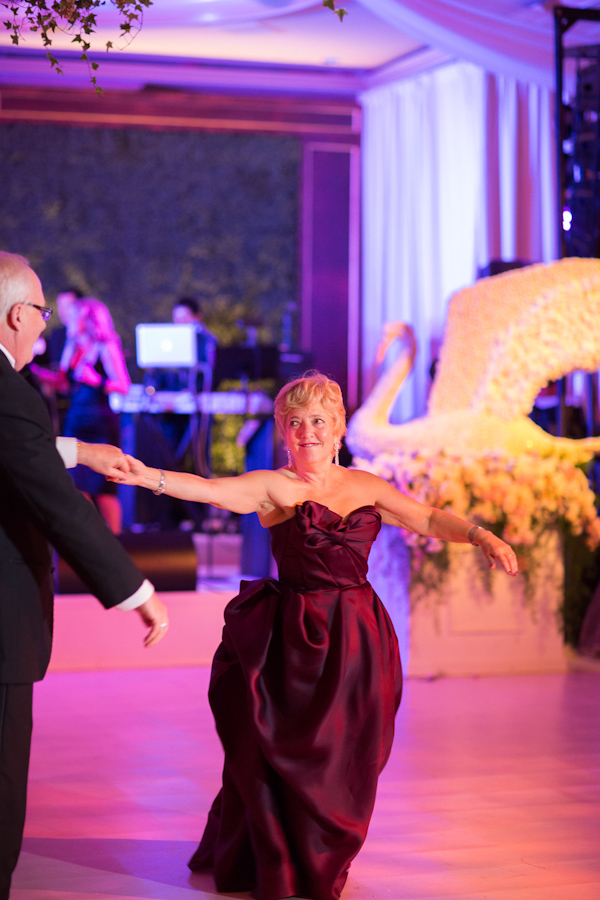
(16, 702)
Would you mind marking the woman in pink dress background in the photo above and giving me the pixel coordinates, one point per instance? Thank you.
(91, 366)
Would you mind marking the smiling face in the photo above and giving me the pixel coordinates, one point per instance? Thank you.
(309, 434)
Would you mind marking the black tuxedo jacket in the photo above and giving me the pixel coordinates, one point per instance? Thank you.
(39, 504)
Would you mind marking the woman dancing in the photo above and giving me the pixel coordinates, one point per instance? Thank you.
(306, 682)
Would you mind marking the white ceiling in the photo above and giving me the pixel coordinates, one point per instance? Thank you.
(273, 31)
(198, 44)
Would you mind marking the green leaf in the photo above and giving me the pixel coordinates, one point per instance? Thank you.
(54, 63)
(340, 13)
(78, 18)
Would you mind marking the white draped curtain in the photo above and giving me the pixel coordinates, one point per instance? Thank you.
(507, 37)
(458, 169)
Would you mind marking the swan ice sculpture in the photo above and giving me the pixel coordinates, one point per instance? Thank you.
(506, 337)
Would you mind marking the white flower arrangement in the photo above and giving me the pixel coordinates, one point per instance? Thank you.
(476, 452)
(508, 336)
(517, 498)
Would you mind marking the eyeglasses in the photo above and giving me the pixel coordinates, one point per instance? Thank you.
(45, 311)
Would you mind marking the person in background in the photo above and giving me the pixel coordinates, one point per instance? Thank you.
(187, 311)
(181, 441)
(92, 365)
(66, 309)
(48, 352)
(39, 505)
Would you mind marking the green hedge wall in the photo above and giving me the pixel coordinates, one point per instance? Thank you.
(138, 218)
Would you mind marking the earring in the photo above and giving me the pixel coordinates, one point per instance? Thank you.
(289, 456)
(336, 447)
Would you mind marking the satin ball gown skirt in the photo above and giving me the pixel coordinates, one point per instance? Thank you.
(304, 690)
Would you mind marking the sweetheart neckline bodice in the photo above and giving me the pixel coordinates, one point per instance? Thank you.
(343, 519)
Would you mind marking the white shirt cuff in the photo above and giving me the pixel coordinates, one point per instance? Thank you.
(67, 447)
(143, 593)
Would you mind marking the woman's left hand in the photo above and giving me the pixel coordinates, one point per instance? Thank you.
(496, 550)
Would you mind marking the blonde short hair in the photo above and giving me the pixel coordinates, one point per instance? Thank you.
(313, 387)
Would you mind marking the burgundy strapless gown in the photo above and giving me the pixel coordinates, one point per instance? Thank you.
(304, 690)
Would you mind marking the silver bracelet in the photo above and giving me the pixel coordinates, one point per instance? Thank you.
(471, 534)
(161, 484)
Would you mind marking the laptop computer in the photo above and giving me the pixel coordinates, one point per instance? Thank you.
(164, 346)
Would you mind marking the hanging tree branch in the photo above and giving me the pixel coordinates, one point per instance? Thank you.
(73, 17)
(78, 18)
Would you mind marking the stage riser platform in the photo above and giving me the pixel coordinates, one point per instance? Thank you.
(167, 558)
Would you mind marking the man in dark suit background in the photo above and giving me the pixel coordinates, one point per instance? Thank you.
(39, 504)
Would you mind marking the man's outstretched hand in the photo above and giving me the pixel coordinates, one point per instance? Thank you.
(103, 458)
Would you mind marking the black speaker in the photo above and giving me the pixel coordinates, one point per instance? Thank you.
(167, 558)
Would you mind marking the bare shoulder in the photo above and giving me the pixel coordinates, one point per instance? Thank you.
(282, 490)
(284, 485)
(381, 492)
(365, 480)
(279, 486)
(360, 475)
(359, 487)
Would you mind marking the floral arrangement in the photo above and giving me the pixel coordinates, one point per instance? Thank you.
(523, 329)
(506, 337)
(476, 453)
(517, 498)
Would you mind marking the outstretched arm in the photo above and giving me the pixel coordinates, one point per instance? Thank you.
(448, 527)
(241, 494)
(398, 509)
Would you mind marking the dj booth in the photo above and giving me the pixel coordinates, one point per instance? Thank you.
(144, 410)
(138, 405)
(141, 399)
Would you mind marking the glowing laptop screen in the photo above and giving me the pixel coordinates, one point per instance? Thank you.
(165, 346)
